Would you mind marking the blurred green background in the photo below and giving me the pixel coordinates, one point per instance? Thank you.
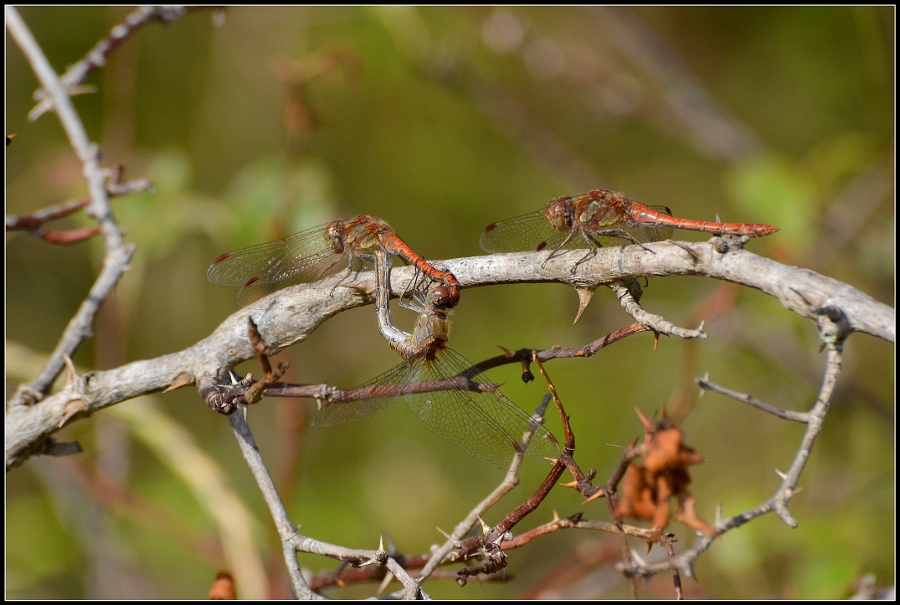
(440, 121)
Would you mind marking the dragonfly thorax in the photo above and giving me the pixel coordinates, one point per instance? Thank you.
(600, 208)
(431, 332)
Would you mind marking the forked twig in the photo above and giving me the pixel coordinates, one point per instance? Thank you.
(292, 541)
(833, 329)
(117, 253)
(33, 222)
(654, 322)
(440, 555)
(96, 57)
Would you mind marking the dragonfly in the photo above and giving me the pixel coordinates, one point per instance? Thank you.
(595, 219)
(318, 252)
(448, 395)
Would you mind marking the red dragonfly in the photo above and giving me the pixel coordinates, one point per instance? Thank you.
(595, 219)
(316, 253)
(449, 396)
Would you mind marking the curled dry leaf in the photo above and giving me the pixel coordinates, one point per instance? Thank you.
(660, 476)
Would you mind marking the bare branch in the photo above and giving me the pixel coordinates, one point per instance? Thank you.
(802, 291)
(833, 329)
(291, 315)
(654, 322)
(465, 526)
(96, 57)
(705, 384)
(292, 541)
(270, 494)
(117, 253)
(34, 220)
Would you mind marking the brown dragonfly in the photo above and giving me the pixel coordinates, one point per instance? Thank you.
(316, 253)
(595, 219)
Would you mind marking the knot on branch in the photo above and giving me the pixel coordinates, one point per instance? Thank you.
(225, 398)
(833, 324)
(728, 243)
(494, 560)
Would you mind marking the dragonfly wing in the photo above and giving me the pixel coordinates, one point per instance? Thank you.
(657, 234)
(300, 258)
(485, 424)
(526, 233)
(283, 272)
(370, 397)
(236, 268)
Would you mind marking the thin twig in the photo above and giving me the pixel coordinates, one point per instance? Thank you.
(294, 542)
(655, 322)
(462, 381)
(705, 384)
(33, 220)
(96, 57)
(833, 329)
(676, 577)
(117, 253)
(270, 494)
(511, 480)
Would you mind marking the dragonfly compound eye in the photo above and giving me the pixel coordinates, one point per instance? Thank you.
(558, 214)
(334, 234)
(440, 296)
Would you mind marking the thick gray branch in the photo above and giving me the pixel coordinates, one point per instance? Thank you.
(800, 290)
(291, 315)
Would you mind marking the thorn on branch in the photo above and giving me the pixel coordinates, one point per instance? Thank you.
(687, 249)
(55, 448)
(585, 293)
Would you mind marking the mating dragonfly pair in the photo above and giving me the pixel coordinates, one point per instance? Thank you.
(471, 414)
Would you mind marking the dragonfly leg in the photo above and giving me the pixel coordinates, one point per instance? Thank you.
(585, 258)
(561, 245)
(350, 271)
(619, 233)
(592, 245)
(414, 291)
(340, 281)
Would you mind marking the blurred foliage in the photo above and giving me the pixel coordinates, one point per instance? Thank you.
(440, 121)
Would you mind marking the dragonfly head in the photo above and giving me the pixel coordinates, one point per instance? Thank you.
(334, 233)
(559, 214)
(439, 297)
